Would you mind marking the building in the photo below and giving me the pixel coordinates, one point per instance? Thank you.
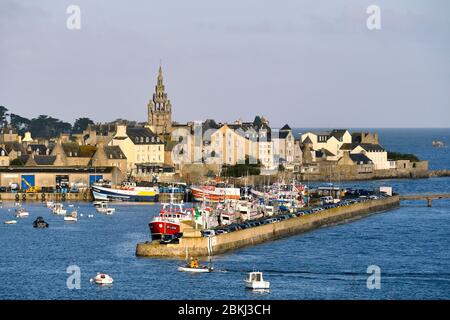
(329, 140)
(375, 152)
(140, 146)
(160, 109)
(284, 146)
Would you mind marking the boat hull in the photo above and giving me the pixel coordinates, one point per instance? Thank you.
(195, 270)
(110, 194)
(159, 228)
(215, 194)
(257, 285)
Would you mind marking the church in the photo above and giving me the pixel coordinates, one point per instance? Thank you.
(160, 109)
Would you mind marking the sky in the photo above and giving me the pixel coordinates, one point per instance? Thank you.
(306, 63)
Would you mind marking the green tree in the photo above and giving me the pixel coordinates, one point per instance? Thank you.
(3, 115)
(21, 124)
(81, 124)
(49, 127)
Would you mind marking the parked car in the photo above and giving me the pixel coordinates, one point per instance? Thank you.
(208, 233)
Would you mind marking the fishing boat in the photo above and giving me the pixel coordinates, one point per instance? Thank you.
(127, 191)
(22, 213)
(73, 216)
(256, 281)
(249, 210)
(169, 219)
(215, 192)
(10, 222)
(103, 279)
(104, 208)
(40, 223)
(58, 208)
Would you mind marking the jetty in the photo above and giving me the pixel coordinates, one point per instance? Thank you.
(195, 245)
(427, 197)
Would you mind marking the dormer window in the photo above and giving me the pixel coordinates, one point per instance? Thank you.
(137, 139)
(147, 140)
(142, 139)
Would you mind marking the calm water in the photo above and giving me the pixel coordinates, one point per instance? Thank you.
(410, 245)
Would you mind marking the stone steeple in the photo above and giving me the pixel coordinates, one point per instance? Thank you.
(160, 108)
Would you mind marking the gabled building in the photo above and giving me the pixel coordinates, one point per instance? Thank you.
(329, 140)
(140, 146)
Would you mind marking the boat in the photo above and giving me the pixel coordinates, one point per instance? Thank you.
(249, 210)
(58, 208)
(215, 192)
(73, 216)
(104, 208)
(10, 222)
(40, 223)
(169, 219)
(256, 281)
(195, 267)
(49, 204)
(127, 191)
(22, 213)
(103, 279)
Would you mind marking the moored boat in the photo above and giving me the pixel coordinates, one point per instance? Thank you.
(127, 191)
(40, 223)
(256, 281)
(195, 267)
(169, 219)
(10, 222)
(215, 192)
(58, 208)
(22, 213)
(73, 216)
(103, 279)
(104, 208)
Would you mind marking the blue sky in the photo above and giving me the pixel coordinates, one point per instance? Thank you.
(307, 63)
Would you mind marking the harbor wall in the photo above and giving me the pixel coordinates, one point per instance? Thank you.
(204, 246)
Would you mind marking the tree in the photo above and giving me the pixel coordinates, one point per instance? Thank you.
(81, 124)
(3, 114)
(48, 127)
(21, 124)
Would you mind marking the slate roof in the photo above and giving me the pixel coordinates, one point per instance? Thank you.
(36, 147)
(44, 160)
(366, 146)
(338, 133)
(142, 135)
(285, 127)
(360, 158)
(72, 149)
(307, 140)
(114, 152)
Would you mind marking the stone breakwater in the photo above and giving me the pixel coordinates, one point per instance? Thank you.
(204, 246)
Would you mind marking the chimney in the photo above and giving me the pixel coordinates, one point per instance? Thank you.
(121, 130)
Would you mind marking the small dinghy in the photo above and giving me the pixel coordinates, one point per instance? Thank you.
(194, 266)
(22, 213)
(40, 223)
(256, 281)
(102, 278)
(10, 222)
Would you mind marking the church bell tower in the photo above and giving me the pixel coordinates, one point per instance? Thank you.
(160, 109)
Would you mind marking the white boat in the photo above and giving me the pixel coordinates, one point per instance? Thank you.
(58, 208)
(196, 267)
(102, 278)
(22, 213)
(10, 222)
(103, 208)
(73, 216)
(256, 281)
(49, 204)
(196, 270)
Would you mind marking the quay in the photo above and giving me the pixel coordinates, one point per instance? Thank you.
(193, 244)
(427, 197)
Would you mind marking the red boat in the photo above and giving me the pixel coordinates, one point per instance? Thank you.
(169, 219)
(216, 192)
